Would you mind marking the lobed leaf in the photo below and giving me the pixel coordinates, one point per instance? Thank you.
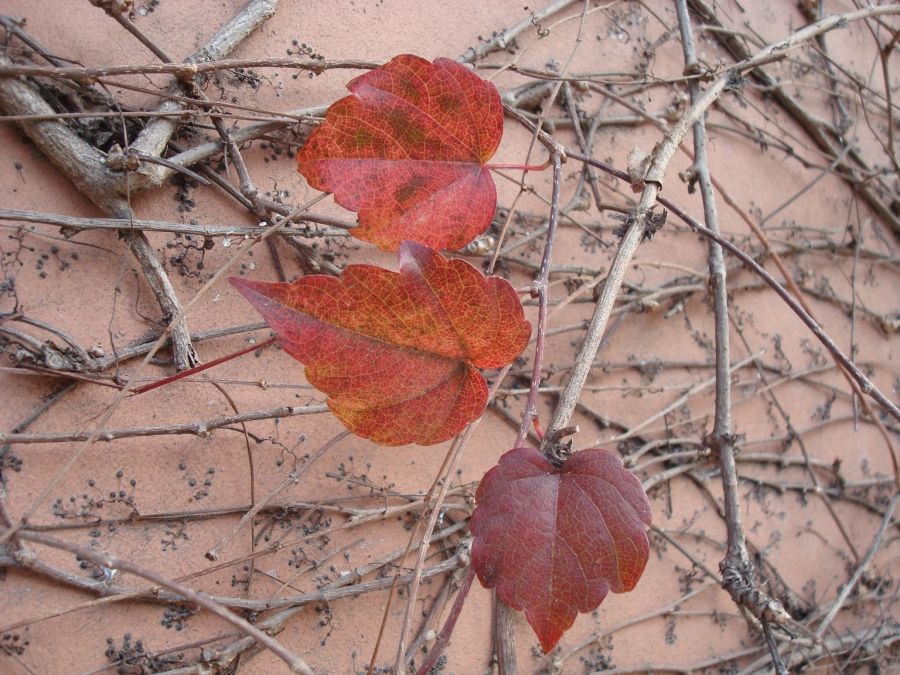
(397, 353)
(407, 152)
(554, 540)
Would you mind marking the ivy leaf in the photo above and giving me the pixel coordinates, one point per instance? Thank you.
(553, 540)
(397, 353)
(407, 152)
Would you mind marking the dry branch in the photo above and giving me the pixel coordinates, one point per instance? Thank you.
(200, 429)
(736, 568)
(671, 456)
(295, 663)
(823, 135)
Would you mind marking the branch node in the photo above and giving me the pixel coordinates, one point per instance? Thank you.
(25, 556)
(737, 580)
(187, 73)
(556, 451)
(114, 7)
(117, 160)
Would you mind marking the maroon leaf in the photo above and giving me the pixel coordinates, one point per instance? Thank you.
(553, 540)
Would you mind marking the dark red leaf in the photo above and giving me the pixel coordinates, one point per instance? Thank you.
(553, 541)
(407, 152)
(398, 352)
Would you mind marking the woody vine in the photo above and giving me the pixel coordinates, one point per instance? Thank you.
(398, 354)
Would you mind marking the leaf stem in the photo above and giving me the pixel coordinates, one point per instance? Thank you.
(540, 289)
(523, 167)
(536, 423)
(443, 637)
(205, 366)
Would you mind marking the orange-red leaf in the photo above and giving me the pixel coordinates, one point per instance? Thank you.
(397, 352)
(407, 152)
(553, 540)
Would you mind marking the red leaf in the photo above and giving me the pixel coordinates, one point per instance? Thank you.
(553, 541)
(397, 352)
(407, 151)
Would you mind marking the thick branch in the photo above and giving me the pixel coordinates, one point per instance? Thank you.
(156, 134)
(86, 168)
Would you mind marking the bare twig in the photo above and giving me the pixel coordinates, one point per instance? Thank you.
(193, 66)
(848, 587)
(107, 415)
(295, 663)
(505, 38)
(156, 134)
(443, 637)
(811, 125)
(736, 568)
(216, 551)
(200, 429)
(540, 290)
(442, 483)
(866, 385)
(72, 224)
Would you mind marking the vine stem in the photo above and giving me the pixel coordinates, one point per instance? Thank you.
(442, 484)
(97, 433)
(443, 638)
(736, 568)
(591, 342)
(181, 71)
(502, 633)
(653, 179)
(292, 478)
(848, 587)
(201, 428)
(866, 385)
(507, 36)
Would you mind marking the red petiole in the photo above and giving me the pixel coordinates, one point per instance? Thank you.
(205, 366)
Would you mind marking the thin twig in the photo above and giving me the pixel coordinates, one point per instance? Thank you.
(185, 70)
(72, 224)
(295, 663)
(200, 429)
(291, 479)
(505, 38)
(848, 587)
(866, 385)
(811, 125)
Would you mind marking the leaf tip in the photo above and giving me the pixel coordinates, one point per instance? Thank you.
(413, 254)
(245, 287)
(549, 640)
(237, 282)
